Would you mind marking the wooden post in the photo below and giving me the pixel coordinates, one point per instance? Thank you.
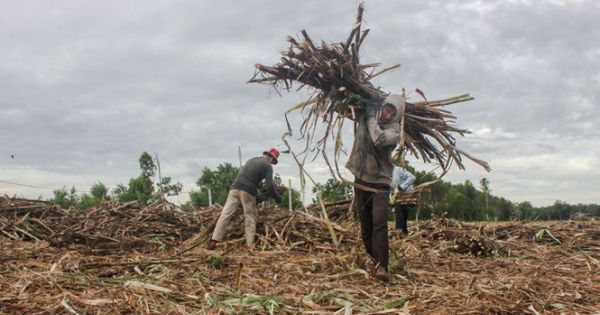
(290, 195)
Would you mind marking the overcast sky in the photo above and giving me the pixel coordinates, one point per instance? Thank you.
(87, 86)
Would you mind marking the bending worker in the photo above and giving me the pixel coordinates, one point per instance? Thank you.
(243, 192)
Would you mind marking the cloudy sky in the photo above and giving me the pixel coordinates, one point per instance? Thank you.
(87, 86)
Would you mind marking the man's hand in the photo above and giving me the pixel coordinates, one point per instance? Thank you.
(279, 199)
(280, 189)
(261, 197)
(374, 104)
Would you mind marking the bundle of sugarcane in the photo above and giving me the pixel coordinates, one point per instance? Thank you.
(477, 246)
(342, 87)
(408, 198)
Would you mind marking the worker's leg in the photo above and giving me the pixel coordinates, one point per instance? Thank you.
(380, 228)
(401, 218)
(398, 216)
(365, 215)
(250, 214)
(405, 213)
(231, 206)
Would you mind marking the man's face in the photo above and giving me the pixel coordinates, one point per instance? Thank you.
(387, 113)
(269, 158)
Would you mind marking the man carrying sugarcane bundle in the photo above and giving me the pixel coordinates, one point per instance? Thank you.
(243, 192)
(402, 182)
(375, 138)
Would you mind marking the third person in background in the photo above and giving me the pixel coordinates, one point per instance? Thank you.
(402, 182)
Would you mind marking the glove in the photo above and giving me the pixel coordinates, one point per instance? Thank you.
(279, 199)
(374, 103)
(261, 197)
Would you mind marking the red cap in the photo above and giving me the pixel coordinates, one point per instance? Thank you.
(274, 154)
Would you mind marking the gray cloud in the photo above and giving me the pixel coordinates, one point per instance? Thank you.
(87, 87)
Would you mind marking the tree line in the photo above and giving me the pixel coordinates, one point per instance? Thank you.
(143, 189)
(467, 202)
(464, 201)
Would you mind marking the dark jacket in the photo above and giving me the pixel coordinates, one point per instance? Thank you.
(252, 173)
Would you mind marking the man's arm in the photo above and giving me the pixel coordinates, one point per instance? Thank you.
(391, 134)
(410, 179)
(395, 184)
(271, 187)
(383, 137)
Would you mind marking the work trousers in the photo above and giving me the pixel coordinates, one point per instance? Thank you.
(401, 213)
(235, 198)
(372, 212)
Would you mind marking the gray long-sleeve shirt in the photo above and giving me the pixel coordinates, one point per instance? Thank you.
(252, 173)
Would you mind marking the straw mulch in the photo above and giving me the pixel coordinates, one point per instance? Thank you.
(114, 226)
(303, 263)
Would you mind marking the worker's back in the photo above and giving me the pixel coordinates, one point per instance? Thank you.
(252, 173)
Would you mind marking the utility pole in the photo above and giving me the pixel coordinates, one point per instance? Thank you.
(162, 194)
(303, 195)
(290, 194)
(209, 192)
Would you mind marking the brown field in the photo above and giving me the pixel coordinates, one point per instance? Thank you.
(121, 258)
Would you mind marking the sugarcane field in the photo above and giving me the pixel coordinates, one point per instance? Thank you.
(120, 258)
(355, 194)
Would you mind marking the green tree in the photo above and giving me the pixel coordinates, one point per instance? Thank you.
(86, 201)
(142, 188)
(166, 188)
(562, 210)
(147, 165)
(98, 194)
(485, 188)
(524, 210)
(219, 181)
(333, 190)
(99, 191)
(285, 202)
(454, 203)
(505, 209)
(65, 198)
(431, 203)
(469, 211)
(296, 202)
